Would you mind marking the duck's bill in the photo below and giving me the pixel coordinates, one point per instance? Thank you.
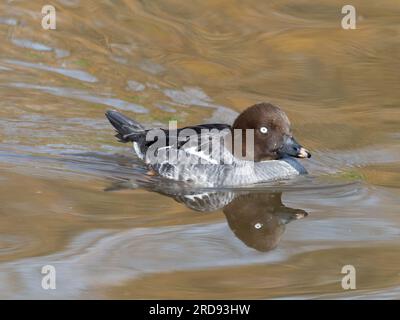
(292, 148)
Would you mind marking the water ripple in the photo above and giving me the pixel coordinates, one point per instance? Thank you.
(28, 44)
(71, 73)
(82, 95)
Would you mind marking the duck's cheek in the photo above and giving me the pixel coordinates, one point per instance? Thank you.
(276, 146)
(273, 145)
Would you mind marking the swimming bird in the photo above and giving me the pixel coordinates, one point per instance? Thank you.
(216, 155)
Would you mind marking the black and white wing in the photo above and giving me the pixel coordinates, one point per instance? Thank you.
(203, 144)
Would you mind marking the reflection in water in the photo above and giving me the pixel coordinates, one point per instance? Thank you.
(258, 219)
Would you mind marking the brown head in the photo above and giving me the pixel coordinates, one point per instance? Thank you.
(273, 137)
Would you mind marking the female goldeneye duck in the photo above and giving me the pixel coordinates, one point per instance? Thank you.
(273, 138)
(274, 149)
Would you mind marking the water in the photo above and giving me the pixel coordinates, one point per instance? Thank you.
(73, 197)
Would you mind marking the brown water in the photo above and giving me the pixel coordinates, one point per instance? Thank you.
(196, 61)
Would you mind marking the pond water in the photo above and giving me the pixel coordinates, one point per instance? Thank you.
(72, 197)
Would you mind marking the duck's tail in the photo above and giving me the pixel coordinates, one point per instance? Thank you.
(127, 129)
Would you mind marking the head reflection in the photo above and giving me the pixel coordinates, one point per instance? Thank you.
(259, 219)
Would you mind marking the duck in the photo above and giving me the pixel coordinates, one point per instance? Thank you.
(258, 147)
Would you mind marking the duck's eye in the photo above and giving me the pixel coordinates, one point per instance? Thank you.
(264, 130)
(258, 225)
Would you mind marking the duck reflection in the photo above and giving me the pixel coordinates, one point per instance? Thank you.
(257, 218)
